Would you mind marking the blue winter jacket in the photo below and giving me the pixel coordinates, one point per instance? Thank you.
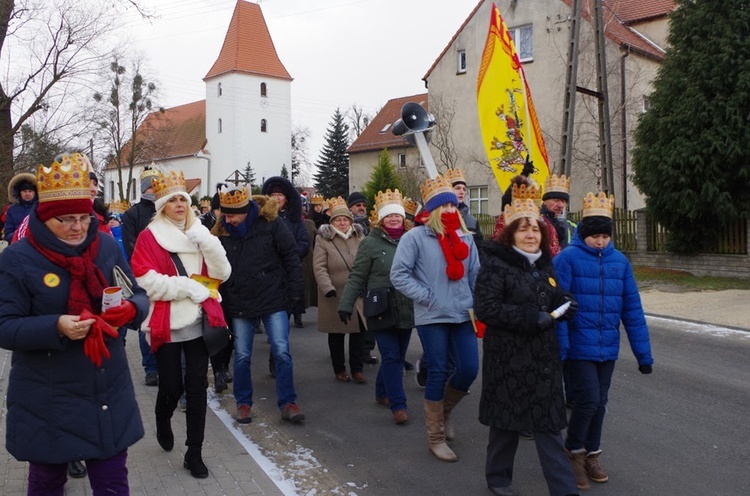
(61, 407)
(418, 272)
(603, 285)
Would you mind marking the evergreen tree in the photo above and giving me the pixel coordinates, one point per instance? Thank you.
(383, 177)
(284, 171)
(692, 154)
(332, 178)
(250, 175)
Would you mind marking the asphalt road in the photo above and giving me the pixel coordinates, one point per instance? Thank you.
(681, 431)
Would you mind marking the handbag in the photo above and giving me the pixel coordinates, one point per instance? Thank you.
(216, 337)
(380, 309)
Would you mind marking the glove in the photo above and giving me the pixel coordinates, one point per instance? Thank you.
(545, 321)
(93, 344)
(331, 294)
(198, 233)
(645, 369)
(197, 291)
(297, 305)
(119, 316)
(345, 317)
(572, 309)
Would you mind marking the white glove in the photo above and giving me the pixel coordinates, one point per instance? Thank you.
(198, 233)
(197, 291)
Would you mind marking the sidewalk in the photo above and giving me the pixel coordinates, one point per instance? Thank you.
(729, 308)
(153, 471)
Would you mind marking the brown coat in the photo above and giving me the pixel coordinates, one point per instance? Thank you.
(331, 267)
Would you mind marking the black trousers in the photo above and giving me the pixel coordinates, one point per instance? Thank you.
(171, 387)
(501, 452)
(356, 351)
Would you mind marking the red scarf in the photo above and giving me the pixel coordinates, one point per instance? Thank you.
(149, 255)
(87, 282)
(454, 249)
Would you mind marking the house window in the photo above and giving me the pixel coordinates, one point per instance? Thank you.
(218, 90)
(112, 190)
(523, 39)
(646, 104)
(263, 89)
(461, 67)
(402, 161)
(478, 200)
(220, 126)
(263, 126)
(132, 190)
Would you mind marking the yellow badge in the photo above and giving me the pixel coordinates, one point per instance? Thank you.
(51, 280)
(552, 282)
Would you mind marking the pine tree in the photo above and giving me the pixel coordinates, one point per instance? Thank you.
(284, 171)
(250, 175)
(383, 177)
(692, 154)
(332, 178)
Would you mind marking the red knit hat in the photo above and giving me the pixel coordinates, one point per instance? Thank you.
(63, 187)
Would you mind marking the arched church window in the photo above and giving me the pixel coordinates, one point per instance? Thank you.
(263, 127)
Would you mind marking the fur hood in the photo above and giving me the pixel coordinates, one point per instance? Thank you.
(327, 232)
(13, 193)
(293, 198)
(267, 208)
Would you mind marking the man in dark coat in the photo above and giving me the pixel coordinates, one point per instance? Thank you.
(357, 204)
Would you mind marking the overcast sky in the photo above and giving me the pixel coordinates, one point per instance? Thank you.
(339, 52)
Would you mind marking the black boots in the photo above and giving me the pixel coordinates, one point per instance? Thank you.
(76, 470)
(164, 408)
(194, 463)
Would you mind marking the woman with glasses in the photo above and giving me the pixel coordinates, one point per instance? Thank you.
(70, 395)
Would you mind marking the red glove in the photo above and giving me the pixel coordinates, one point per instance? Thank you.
(119, 316)
(93, 344)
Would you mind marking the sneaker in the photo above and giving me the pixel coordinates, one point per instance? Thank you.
(292, 413)
(183, 403)
(421, 375)
(243, 414)
(152, 379)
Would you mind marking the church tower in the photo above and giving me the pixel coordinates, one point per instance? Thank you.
(248, 102)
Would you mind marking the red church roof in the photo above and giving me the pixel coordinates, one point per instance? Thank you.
(248, 46)
(377, 135)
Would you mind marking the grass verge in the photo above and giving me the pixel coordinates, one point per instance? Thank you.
(654, 278)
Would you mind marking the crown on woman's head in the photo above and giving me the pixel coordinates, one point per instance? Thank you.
(66, 179)
(520, 208)
(410, 206)
(118, 207)
(598, 205)
(388, 198)
(317, 199)
(166, 184)
(434, 187)
(233, 198)
(557, 184)
(455, 175)
(337, 206)
(530, 192)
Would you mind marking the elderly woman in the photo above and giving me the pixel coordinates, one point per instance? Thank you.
(174, 326)
(70, 395)
(516, 292)
(372, 268)
(436, 265)
(333, 257)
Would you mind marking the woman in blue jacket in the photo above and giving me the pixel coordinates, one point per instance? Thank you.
(601, 280)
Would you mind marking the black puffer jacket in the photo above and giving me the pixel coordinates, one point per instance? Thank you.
(521, 369)
(134, 221)
(292, 212)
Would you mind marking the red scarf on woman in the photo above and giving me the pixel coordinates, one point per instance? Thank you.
(454, 249)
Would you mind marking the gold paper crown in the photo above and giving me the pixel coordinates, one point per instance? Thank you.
(557, 184)
(433, 187)
(524, 192)
(373, 216)
(388, 198)
(317, 199)
(206, 203)
(233, 198)
(520, 208)
(410, 206)
(67, 179)
(598, 204)
(337, 206)
(166, 184)
(149, 171)
(455, 175)
(118, 207)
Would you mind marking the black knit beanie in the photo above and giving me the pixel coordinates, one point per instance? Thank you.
(595, 224)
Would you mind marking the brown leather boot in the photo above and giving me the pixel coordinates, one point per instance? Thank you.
(433, 414)
(450, 400)
(595, 472)
(579, 470)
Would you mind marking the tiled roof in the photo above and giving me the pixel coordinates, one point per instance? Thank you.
(176, 132)
(634, 11)
(376, 135)
(248, 46)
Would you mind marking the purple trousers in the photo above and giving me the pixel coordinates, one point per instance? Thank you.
(107, 477)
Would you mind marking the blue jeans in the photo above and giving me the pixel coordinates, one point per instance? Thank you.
(590, 382)
(442, 341)
(390, 383)
(277, 329)
(148, 359)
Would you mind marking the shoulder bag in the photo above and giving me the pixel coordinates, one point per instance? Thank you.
(380, 309)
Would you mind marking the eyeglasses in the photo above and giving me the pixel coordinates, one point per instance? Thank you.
(84, 220)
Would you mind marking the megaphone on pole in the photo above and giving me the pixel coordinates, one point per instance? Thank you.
(414, 123)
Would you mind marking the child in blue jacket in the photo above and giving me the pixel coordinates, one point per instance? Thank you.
(602, 281)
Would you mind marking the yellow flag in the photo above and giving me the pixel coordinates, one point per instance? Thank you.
(507, 119)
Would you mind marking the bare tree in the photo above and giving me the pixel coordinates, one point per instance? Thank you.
(358, 120)
(300, 162)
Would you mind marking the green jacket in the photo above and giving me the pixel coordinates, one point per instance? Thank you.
(371, 270)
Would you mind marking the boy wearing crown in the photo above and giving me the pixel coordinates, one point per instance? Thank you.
(601, 280)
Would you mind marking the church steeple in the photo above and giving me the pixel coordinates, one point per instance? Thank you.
(248, 47)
